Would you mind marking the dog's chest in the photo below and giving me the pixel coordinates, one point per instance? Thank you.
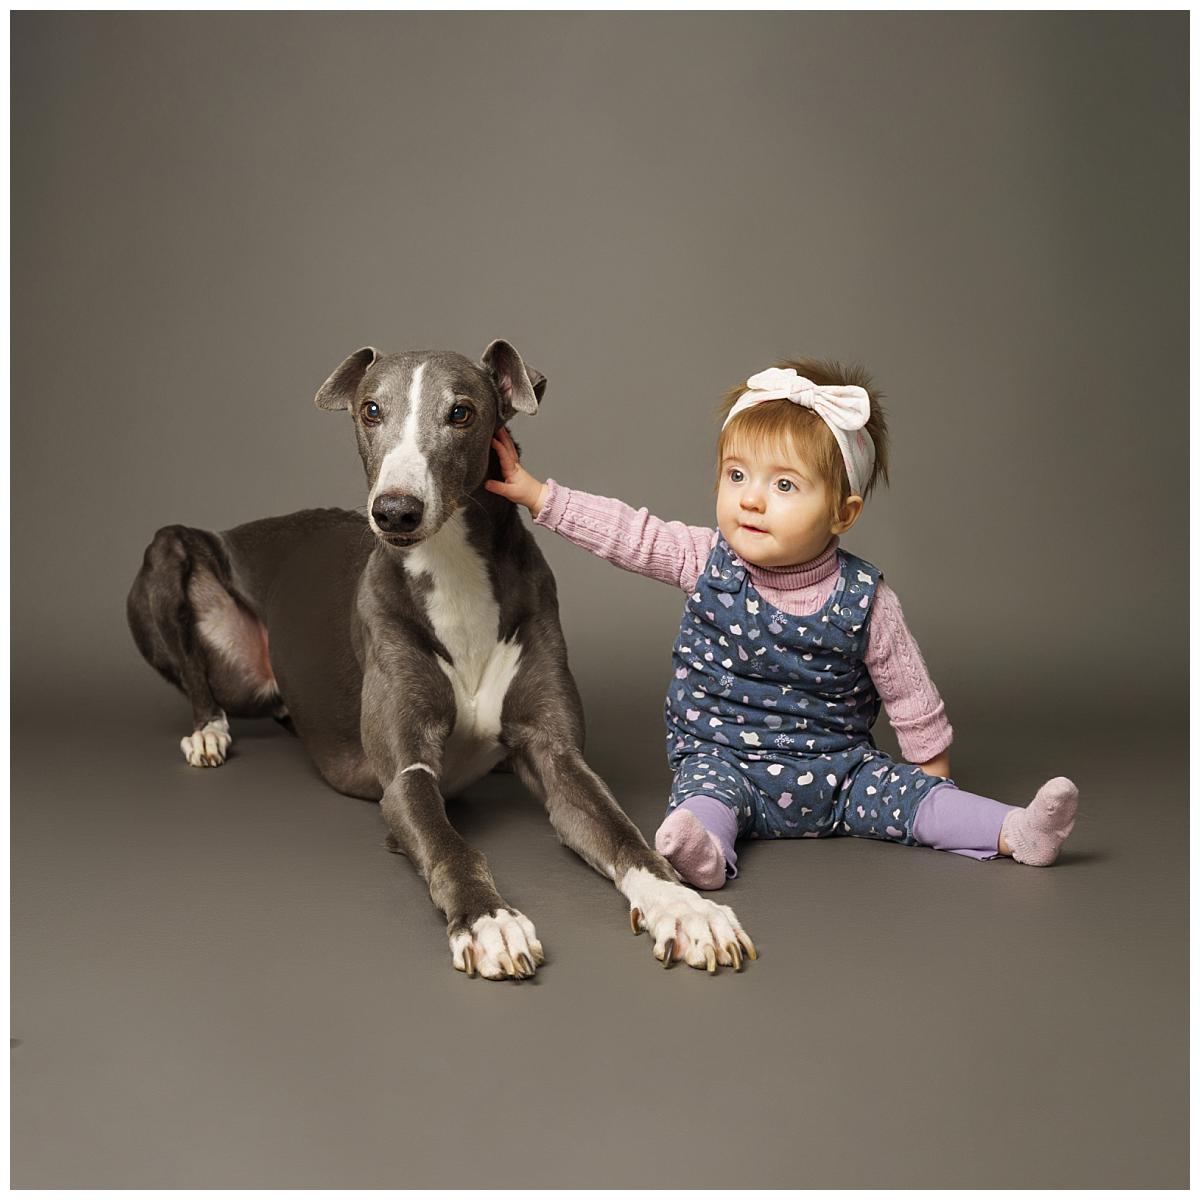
(462, 608)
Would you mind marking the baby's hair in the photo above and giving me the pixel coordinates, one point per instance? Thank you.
(793, 431)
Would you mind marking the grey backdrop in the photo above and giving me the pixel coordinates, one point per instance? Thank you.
(990, 210)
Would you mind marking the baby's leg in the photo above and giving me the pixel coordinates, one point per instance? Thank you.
(697, 837)
(697, 840)
(960, 822)
(880, 798)
(951, 819)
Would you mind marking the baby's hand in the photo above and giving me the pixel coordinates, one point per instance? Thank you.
(518, 485)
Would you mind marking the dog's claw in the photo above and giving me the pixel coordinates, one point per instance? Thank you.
(635, 915)
(500, 945)
(207, 746)
(683, 925)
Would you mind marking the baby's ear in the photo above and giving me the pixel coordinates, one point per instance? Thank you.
(521, 388)
(850, 511)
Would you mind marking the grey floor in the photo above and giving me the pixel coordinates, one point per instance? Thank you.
(221, 979)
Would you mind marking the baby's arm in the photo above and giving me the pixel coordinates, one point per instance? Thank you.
(632, 539)
(914, 708)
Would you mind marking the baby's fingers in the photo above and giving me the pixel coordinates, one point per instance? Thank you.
(507, 490)
(506, 462)
(506, 452)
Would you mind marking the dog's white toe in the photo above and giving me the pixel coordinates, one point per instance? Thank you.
(207, 746)
(684, 925)
(501, 946)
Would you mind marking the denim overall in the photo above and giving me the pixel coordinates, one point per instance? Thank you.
(771, 713)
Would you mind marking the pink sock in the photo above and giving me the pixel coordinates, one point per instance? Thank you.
(685, 843)
(1036, 834)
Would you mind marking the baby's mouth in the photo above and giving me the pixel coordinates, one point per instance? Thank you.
(753, 528)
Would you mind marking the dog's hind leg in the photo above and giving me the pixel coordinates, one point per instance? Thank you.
(197, 632)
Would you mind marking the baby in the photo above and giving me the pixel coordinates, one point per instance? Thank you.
(789, 644)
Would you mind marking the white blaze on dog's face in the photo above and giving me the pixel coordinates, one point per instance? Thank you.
(405, 467)
(425, 421)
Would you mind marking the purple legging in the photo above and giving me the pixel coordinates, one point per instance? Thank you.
(961, 822)
(948, 819)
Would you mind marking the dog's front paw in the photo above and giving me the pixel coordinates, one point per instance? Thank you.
(207, 746)
(500, 946)
(684, 925)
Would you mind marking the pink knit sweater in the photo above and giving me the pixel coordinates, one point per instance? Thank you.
(675, 553)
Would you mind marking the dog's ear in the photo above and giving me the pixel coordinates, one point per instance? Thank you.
(339, 389)
(521, 387)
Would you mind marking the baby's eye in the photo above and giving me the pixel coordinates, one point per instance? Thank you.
(786, 485)
(735, 476)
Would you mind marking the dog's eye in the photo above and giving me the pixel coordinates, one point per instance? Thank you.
(372, 414)
(461, 414)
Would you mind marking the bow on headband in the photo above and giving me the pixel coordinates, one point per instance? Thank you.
(844, 409)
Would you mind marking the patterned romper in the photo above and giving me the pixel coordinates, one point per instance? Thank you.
(771, 713)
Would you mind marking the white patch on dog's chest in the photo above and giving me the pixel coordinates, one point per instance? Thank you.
(465, 617)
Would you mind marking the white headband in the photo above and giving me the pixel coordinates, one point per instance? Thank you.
(844, 409)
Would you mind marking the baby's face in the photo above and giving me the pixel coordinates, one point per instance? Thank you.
(773, 511)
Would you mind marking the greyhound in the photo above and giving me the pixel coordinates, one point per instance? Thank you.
(412, 649)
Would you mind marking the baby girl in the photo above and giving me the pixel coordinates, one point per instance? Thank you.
(789, 644)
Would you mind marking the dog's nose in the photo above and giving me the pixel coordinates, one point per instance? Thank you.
(396, 513)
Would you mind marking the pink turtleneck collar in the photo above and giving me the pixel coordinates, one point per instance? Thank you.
(803, 575)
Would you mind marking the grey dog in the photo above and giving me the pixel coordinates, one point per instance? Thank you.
(412, 650)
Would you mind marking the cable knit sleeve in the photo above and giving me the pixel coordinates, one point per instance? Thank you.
(632, 539)
(914, 708)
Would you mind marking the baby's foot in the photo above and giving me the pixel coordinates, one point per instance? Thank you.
(684, 842)
(1035, 834)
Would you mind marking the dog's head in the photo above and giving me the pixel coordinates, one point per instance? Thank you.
(425, 421)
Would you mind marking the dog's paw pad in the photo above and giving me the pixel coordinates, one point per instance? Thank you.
(207, 746)
(500, 946)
